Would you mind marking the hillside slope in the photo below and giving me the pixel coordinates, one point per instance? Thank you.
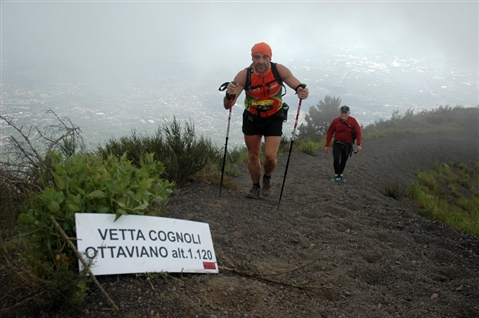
(330, 250)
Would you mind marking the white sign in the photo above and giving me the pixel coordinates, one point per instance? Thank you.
(144, 244)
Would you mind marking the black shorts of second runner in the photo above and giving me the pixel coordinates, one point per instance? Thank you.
(265, 126)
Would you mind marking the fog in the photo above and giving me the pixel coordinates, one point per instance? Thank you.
(214, 36)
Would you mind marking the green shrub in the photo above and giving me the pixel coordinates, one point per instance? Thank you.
(309, 147)
(414, 190)
(428, 179)
(24, 162)
(284, 145)
(394, 190)
(10, 206)
(185, 153)
(454, 190)
(181, 151)
(238, 155)
(83, 183)
(449, 193)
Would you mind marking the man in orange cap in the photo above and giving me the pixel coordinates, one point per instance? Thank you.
(264, 113)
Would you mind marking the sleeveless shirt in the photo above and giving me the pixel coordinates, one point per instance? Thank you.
(264, 94)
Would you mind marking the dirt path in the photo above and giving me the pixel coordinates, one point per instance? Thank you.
(359, 251)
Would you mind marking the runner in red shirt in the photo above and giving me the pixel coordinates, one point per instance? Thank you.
(345, 130)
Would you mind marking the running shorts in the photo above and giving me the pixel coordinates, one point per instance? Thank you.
(265, 126)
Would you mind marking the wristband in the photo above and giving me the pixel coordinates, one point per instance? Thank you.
(300, 85)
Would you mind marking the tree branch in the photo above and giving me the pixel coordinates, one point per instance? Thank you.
(302, 286)
(85, 264)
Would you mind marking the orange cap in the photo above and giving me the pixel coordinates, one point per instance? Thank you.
(261, 48)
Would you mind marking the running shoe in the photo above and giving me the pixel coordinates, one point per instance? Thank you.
(266, 191)
(254, 192)
(336, 178)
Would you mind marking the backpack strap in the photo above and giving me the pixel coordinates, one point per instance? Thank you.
(353, 131)
(343, 122)
(276, 75)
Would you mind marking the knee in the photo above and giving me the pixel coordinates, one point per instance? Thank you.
(253, 155)
(270, 159)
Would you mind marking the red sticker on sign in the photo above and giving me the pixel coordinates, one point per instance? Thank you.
(209, 265)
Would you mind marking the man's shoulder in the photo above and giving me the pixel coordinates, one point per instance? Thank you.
(353, 120)
(241, 77)
(334, 122)
(279, 67)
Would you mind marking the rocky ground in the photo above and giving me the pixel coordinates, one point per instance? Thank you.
(330, 250)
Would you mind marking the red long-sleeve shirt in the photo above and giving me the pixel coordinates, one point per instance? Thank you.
(342, 132)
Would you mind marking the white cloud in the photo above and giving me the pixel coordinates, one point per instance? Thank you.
(220, 34)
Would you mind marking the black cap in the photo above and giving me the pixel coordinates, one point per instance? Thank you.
(344, 108)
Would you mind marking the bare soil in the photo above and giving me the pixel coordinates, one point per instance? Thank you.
(330, 250)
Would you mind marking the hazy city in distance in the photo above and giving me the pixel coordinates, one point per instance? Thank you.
(106, 105)
(114, 67)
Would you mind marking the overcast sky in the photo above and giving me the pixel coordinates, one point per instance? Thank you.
(212, 35)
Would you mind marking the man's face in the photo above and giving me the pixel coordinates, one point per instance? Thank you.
(344, 115)
(261, 62)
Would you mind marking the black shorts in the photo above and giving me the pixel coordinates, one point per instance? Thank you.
(265, 126)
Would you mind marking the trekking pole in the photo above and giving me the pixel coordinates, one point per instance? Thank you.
(222, 88)
(290, 148)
